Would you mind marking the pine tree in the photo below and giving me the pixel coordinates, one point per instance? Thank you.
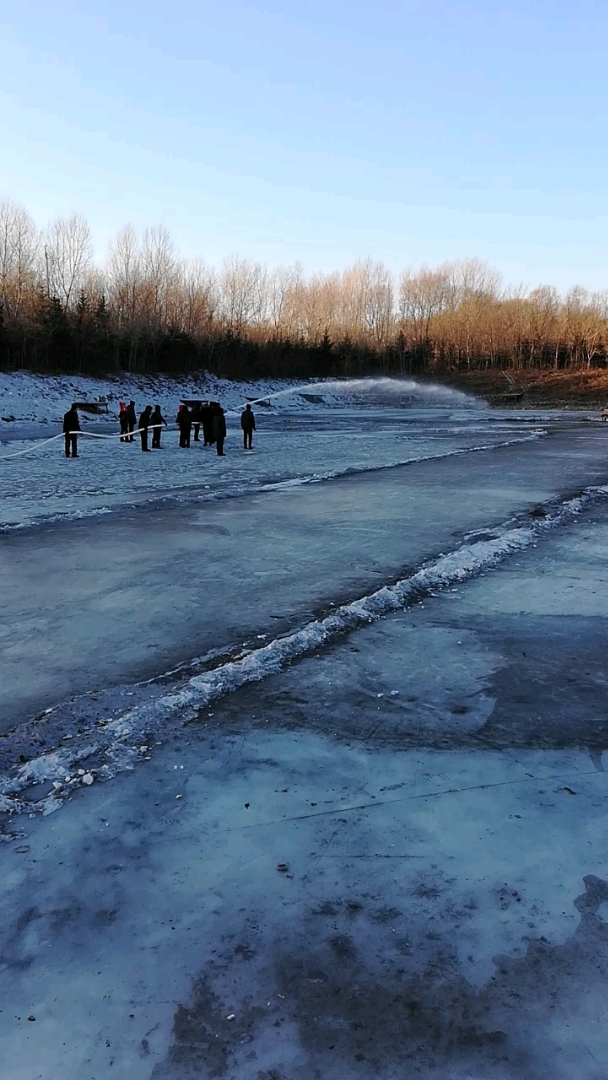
(324, 358)
(60, 340)
(3, 339)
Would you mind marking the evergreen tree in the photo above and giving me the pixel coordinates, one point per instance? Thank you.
(323, 362)
(60, 343)
(345, 356)
(4, 350)
(82, 307)
(84, 329)
(103, 352)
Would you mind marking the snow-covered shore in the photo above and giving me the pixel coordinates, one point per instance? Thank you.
(31, 398)
(25, 396)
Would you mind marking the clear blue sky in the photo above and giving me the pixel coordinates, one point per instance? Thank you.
(319, 130)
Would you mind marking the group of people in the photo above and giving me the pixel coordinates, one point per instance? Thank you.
(191, 416)
(149, 419)
(206, 414)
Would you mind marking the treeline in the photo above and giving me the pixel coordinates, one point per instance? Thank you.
(145, 310)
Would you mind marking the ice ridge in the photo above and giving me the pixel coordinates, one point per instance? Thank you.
(118, 743)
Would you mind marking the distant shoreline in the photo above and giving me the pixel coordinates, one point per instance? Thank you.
(539, 389)
(40, 399)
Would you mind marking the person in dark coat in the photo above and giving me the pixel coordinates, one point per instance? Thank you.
(123, 419)
(195, 413)
(207, 421)
(184, 423)
(131, 420)
(71, 425)
(144, 424)
(156, 422)
(248, 426)
(219, 429)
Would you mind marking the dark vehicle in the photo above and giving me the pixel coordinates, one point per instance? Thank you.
(96, 408)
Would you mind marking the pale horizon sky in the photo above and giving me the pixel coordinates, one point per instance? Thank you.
(321, 133)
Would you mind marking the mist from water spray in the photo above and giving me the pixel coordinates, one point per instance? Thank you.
(385, 384)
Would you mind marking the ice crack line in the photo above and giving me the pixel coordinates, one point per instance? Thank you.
(115, 746)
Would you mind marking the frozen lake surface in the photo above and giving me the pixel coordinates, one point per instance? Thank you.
(289, 449)
(303, 752)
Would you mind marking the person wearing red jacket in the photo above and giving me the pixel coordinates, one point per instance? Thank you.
(123, 420)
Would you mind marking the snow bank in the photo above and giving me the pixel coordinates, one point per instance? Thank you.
(25, 397)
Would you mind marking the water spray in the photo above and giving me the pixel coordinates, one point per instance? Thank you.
(381, 382)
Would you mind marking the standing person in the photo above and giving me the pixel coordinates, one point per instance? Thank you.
(123, 419)
(184, 423)
(196, 419)
(219, 429)
(207, 421)
(131, 421)
(156, 421)
(248, 426)
(144, 424)
(71, 425)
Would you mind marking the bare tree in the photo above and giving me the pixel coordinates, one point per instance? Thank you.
(422, 297)
(124, 274)
(243, 294)
(19, 246)
(281, 283)
(159, 273)
(67, 255)
(380, 313)
(472, 277)
(198, 299)
(542, 311)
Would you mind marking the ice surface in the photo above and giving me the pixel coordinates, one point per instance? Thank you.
(358, 428)
(354, 736)
(288, 450)
(441, 911)
(125, 597)
(143, 722)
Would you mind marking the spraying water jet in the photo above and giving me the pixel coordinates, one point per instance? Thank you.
(380, 386)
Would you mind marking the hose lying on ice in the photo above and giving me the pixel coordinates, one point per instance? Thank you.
(89, 434)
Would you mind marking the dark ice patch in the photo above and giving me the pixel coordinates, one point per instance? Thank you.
(389, 1011)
